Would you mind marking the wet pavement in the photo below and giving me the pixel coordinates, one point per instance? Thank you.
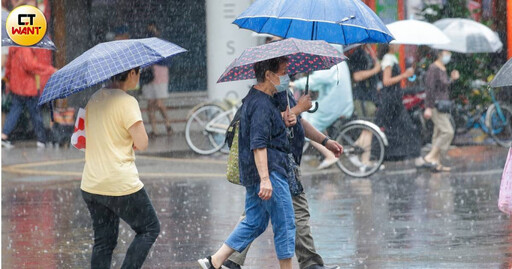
(398, 218)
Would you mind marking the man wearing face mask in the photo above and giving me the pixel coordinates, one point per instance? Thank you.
(438, 105)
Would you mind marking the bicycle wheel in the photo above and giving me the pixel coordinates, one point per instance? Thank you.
(198, 138)
(363, 151)
(500, 124)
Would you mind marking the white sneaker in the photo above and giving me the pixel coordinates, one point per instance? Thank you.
(7, 144)
(355, 161)
(40, 145)
(205, 264)
(326, 164)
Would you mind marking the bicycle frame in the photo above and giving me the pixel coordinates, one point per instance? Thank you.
(497, 105)
(217, 127)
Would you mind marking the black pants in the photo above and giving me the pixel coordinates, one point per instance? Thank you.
(136, 209)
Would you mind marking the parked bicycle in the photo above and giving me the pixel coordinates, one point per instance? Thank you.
(494, 120)
(498, 121)
(205, 131)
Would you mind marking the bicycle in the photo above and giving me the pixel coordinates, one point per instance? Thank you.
(349, 133)
(205, 131)
(499, 121)
(494, 120)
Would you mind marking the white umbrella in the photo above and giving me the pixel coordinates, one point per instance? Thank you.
(468, 36)
(414, 32)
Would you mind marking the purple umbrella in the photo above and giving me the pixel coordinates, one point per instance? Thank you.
(303, 56)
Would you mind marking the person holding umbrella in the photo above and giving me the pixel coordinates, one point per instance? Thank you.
(305, 251)
(263, 156)
(111, 187)
(437, 86)
(259, 62)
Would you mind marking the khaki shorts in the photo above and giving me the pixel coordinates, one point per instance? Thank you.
(155, 91)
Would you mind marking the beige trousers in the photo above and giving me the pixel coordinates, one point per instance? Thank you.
(443, 130)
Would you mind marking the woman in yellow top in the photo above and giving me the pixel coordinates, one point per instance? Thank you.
(110, 185)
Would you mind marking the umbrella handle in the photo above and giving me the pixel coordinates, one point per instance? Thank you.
(314, 109)
(306, 92)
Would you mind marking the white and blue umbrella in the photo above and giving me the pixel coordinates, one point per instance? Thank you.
(334, 21)
(103, 61)
(45, 43)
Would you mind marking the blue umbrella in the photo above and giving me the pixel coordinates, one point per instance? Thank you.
(45, 43)
(103, 61)
(335, 21)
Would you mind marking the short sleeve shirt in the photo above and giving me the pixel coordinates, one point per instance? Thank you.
(109, 156)
(261, 126)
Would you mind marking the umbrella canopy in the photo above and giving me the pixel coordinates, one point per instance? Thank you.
(467, 36)
(414, 32)
(45, 43)
(103, 61)
(303, 56)
(504, 76)
(335, 21)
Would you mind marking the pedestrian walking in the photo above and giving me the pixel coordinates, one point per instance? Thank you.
(263, 156)
(438, 106)
(110, 186)
(403, 136)
(157, 90)
(305, 250)
(23, 73)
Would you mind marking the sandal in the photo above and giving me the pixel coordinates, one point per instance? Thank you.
(442, 168)
(426, 165)
(152, 134)
(170, 131)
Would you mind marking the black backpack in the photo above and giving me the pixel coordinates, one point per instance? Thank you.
(233, 127)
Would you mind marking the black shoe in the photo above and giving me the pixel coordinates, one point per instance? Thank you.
(317, 266)
(206, 263)
(231, 265)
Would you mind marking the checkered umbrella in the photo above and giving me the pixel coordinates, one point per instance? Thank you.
(104, 61)
(303, 56)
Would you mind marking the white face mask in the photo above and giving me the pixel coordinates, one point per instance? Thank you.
(446, 58)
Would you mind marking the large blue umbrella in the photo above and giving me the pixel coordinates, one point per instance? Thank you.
(335, 21)
(45, 43)
(103, 61)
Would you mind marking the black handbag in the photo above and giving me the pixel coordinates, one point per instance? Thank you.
(444, 106)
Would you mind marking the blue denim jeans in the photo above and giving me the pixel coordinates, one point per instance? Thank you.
(279, 209)
(30, 102)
